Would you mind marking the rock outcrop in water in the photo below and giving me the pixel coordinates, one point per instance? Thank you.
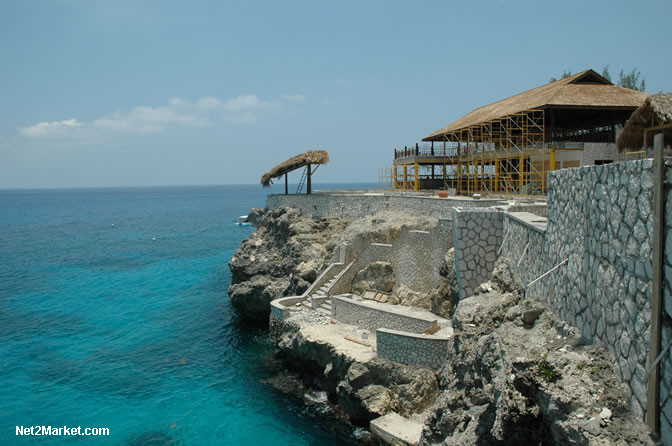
(516, 374)
(282, 258)
(288, 251)
(363, 385)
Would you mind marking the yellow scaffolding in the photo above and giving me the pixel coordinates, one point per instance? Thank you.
(505, 155)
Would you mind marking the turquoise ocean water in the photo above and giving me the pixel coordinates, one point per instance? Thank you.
(114, 313)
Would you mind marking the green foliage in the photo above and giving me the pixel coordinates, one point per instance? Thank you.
(629, 80)
(565, 74)
(605, 73)
(546, 369)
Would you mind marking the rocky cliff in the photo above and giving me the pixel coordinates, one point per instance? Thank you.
(519, 375)
(288, 251)
(516, 374)
(282, 258)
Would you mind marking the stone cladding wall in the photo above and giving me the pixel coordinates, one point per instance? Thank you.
(477, 235)
(599, 219)
(372, 316)
(359, 205)
(412, 349)
(594, 151)
(531, 262)
(372, 253)
(666, 332)
(412, 260)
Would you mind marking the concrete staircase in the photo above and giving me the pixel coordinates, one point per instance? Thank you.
(325, 305)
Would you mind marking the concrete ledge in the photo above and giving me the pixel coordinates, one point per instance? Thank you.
(394, 429)
(280, 307)
(529, 220)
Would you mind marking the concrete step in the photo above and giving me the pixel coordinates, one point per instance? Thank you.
(326, 307)
(395, 429)
(323, 311)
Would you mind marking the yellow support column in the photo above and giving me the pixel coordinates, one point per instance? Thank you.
(405, 176)
(552, 162)
(521, 173)
(394, 178)
(417, 176)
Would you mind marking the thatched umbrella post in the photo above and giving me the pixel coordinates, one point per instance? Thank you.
(307, 160)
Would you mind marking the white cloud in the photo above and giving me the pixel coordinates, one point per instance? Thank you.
(208, 103)
(49, 128)
(293, 97)
(178, 112)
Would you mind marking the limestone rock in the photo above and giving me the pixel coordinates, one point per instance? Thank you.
(506, 383)
(375, 276)
(281, 259)
(504, 277)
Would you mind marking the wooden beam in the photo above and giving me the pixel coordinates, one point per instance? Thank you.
(286, 188)
(309, 182)
(653, 391)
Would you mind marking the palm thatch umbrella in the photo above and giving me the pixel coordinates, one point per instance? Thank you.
(653, 116)
(296, 162)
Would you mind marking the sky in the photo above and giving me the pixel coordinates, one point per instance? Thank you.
(137, 93)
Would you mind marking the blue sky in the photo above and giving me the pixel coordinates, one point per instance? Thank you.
(122, 93)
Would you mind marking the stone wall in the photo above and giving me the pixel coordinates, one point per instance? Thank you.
(600, 151)
(666, 332)
(477, 235)
(412, 349)
(599, 218)
(415, 257)
(412, 263)
(360, 205)
(372, 253)
(373, 315)
(523, 243)
(599, 221)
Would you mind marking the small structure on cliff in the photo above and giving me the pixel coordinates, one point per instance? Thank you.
(508, 146)
(307, 160)
(652, 117)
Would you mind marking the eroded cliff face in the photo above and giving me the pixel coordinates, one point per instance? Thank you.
(516, 374)
(361, 384)
(519, 375)
(289, 251)
(282, 258)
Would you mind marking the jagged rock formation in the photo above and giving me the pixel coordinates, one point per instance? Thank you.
(289, 251)
(519, 375)
(516, 374)
(282, 258)
(441, 300)
(375, 276)
(365, 387)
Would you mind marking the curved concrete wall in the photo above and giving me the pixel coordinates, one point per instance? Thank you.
(412, 349)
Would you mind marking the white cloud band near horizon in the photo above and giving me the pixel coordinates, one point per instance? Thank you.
(207, 110)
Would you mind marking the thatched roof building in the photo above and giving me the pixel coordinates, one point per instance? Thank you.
(296, 162)
(572, 99)
(653, 116)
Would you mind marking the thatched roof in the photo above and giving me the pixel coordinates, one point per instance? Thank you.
(654, 112)
(585, 89)
(295, 162)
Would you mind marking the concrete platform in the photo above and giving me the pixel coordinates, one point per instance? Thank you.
(394, 429)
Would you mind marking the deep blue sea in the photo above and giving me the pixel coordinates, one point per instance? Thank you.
(114, 313)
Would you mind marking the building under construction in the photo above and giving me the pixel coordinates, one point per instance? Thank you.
(508, 146)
